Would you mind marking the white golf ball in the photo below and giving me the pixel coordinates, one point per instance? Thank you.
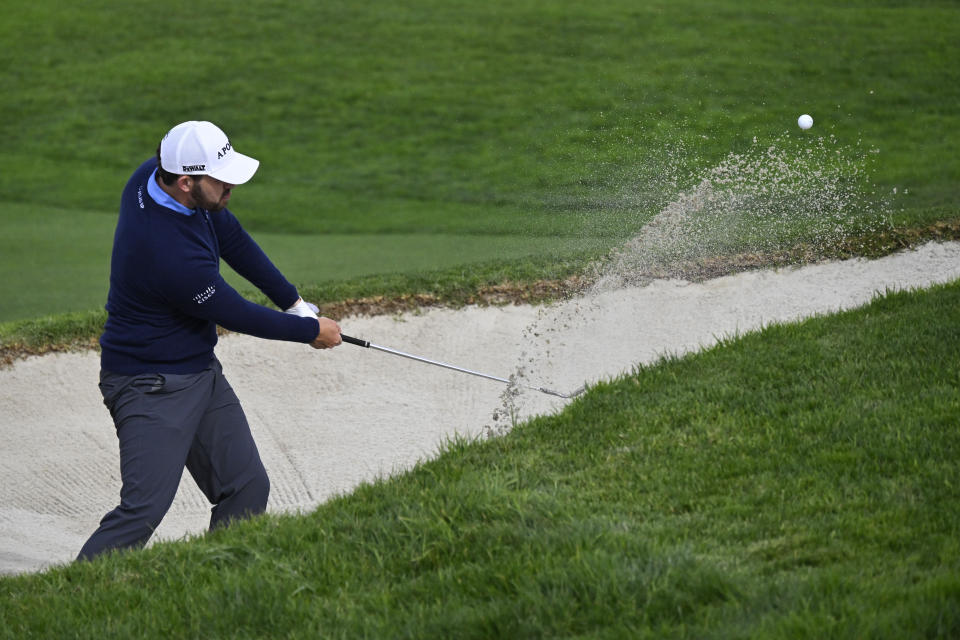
(805, 121)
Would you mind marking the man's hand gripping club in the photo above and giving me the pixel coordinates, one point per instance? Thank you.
(328, 335)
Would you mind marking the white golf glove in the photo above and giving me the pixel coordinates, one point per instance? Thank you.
(303, 309)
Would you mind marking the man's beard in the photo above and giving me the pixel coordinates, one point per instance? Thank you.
(201, 200)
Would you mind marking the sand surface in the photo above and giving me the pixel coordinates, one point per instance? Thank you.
(327, 421)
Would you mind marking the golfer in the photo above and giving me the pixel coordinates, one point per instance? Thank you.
(170, 403)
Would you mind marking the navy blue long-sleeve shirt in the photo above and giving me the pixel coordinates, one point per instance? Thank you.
(166, 292)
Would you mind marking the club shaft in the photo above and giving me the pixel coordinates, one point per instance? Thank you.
(437, 363)
(369, 345)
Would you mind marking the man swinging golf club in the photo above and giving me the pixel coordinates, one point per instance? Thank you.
(165, 389)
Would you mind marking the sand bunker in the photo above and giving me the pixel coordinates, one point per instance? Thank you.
(327, 421)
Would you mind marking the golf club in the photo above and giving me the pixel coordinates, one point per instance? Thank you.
(370, 345)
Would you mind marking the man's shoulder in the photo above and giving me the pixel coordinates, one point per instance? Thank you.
(141, 173)
(135, 191)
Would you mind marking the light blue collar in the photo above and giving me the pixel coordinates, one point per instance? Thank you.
(163, 198)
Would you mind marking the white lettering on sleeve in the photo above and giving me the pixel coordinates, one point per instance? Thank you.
(205, 295)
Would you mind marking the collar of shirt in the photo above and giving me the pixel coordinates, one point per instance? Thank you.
(163, 198)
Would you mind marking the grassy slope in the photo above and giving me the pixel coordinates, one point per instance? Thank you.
(521, 119)
(460, 108)
(798, 482)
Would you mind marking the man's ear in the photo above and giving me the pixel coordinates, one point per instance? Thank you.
(184, 183)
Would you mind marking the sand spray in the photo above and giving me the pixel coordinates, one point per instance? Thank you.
(772, 197)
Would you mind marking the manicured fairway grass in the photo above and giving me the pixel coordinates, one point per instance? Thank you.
(42, 258)
(801, 482)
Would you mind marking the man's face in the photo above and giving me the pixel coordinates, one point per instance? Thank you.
(209, 193)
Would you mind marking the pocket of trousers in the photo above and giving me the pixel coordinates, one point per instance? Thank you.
(113, 386)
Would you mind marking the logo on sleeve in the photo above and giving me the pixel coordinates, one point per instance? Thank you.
(205, 295)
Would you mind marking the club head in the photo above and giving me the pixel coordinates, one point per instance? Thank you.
(572, 394)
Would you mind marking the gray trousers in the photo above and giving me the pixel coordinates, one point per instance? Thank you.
(164, 423)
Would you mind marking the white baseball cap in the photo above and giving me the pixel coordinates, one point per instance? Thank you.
(199, 148)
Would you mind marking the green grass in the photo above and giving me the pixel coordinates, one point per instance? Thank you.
(521, 122)
(51, 272)
(54, 260)
(462, 108)
(797, 482)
